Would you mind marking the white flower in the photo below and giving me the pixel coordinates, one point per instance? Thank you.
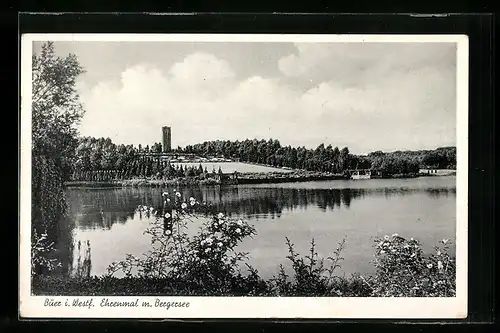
(219, 244)
(220, 215)
(438, 253)
(184, 205)
(168, 199)
(386, 237)
(440, 265)
(240, 222)
(209, 240)
(164, 194)
(168, 232)
(167, 215)
(175, 190)
(382, 251)
(238, 230)
(429, 266)
(203, 242)
(445, 240)
(192, 199)
(192, 203)
(178, 194)
(412, 239)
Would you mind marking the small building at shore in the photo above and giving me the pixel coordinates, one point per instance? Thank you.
(364, 173)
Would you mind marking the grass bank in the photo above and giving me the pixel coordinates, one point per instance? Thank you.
(281, 177)
(244, 178)
(143, 182)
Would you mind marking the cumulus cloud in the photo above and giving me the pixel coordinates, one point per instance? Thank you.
(365, 60)
(365, 100)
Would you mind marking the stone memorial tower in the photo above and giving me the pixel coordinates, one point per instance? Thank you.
(167, 139)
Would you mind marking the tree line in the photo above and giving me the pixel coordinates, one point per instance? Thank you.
(100, 159)
(409, 161)
(325, 158)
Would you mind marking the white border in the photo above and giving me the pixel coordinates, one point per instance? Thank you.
(254, 307)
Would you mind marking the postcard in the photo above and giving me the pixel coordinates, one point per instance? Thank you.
(243, 176)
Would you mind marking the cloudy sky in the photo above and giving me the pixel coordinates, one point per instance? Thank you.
(366, 96)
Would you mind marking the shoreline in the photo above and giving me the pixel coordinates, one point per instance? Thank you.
(244, 179)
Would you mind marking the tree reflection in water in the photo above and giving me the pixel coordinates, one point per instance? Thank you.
(82, 265)
(100, 209)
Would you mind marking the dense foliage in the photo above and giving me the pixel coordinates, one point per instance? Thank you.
(56, 109)
(271, 152)
(56, 106)
(440, 158)
(101, 159)
(417, 273)
(325, 158)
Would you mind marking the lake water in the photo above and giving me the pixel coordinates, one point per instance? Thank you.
(328, 211)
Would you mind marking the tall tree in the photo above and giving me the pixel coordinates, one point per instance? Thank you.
(56, 110)
(56, 106)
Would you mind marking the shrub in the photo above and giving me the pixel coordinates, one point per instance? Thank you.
(403, 269)
(207, 259)
(42, 250)
(313, 277)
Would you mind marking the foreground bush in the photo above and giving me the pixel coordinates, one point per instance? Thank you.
(403, 269)
(207, 264)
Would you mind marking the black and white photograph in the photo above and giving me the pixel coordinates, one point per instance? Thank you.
(308, 176)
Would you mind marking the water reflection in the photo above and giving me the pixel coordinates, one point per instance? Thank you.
(101, 208)
(82, 260)
(108, 219)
